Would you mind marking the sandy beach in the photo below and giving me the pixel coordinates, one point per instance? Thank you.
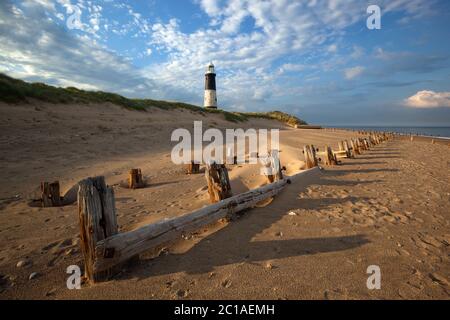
(387, 207)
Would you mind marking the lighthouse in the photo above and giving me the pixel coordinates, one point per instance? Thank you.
(210, 88)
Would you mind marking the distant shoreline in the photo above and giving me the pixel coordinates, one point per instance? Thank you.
(425, 132)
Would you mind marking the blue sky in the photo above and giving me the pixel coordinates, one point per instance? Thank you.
(316, 59)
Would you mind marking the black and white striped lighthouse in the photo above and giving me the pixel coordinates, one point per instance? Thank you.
(210, 88)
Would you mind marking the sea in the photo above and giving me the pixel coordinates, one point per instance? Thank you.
(437, 132)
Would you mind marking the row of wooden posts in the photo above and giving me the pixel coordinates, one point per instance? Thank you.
(105, 250)
(346, 149)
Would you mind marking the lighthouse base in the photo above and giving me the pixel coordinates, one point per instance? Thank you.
(211, 107)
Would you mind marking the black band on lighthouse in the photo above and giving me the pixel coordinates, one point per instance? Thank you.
(210, 81)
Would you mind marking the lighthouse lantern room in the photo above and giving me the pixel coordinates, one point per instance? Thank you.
(210, 88)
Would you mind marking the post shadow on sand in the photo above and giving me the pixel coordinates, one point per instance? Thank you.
(346, 164)
(379, 154)
(377, 157)
(344, 172)
(383, 149)
(238, 236)
(384, 154)
(240, 247)
(330, 182)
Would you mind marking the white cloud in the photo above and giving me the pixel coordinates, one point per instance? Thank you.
(354, 72)
(282, 28)
(46, 4)
(39, 50)
(428, 99)
(211, 7)
(248, 63)
(332, 48)
(357, 52)
(291, 67)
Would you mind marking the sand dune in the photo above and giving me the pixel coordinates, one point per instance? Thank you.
(387, 207)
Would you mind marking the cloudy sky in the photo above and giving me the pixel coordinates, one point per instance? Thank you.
(314, 58)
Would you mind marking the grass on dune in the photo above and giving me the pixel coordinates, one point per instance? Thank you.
(17, 91)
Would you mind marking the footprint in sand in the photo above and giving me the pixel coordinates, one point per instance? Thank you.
(432, 241)
(389, 218)
(335, 294)
(437, 278)
(401, 217)
(226, 283)
(409, 291)
(125, 200)
(49, 246)
(60, 249)
(181, 294)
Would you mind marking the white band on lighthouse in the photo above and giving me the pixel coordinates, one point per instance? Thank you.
(210, 99)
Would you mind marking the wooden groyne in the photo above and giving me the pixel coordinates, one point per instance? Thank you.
(105, 249)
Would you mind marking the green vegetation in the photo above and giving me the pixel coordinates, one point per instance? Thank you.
(277, 115)
(16, 91)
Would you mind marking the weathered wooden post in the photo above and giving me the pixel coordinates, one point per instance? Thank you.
(98, 221)
(330, 158)
(310, 160)
(361, 145)
(372, 140)
(192, 168)
(314, 151)
(219, 187)
(355, 147)
(135, 179)
(231, 158)
(348, 149)
(50, 195)
(272, 167)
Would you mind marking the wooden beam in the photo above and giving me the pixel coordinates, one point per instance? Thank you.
(129, 244)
